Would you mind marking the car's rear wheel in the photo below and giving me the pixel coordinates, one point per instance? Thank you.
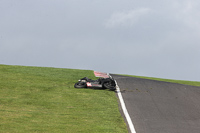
(109, 85)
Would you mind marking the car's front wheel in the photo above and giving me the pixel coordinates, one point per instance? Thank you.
(80, 85)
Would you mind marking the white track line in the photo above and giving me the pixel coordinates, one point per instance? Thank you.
(131, 126)
(129, 121)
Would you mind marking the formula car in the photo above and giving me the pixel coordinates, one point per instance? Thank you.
(104, 83)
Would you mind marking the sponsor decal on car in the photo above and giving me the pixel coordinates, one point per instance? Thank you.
(89, 84)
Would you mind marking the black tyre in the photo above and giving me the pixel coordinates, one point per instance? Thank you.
(80, 85)
(109, 85)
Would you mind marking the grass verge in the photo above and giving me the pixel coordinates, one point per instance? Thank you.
(40, 99)
(192, 83)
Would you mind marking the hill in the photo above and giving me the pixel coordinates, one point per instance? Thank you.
(42, 99)
(192, 83)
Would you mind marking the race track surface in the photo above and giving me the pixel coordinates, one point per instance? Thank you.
(161, 107)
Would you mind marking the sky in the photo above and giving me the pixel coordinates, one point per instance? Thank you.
(146, 38)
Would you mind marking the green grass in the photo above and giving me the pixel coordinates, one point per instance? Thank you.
(40, 99)
(192, 83)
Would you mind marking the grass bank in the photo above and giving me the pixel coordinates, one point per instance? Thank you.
(192, 83)
(40, 99)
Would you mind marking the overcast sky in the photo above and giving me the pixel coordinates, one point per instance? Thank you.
(146, 38)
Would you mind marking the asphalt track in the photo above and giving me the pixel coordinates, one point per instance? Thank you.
(160, 107)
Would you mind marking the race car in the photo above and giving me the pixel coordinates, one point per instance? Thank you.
(104, 83)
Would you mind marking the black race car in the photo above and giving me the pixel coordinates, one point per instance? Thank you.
(104, 83)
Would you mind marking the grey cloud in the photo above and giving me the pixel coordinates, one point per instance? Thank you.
(147, 38)
(127, 18)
